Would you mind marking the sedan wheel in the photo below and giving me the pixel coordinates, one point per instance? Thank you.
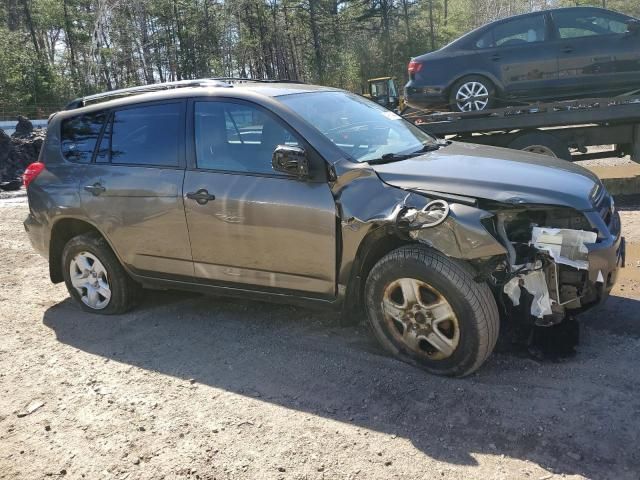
(472, 96)
(89, 277)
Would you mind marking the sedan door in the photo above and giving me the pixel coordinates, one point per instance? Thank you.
(595, 53)
(249, 225)
(132, 191)
(515, 51)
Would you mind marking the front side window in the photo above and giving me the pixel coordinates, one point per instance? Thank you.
(237, 137)
(79, 136)
(145, 135)
(575, 25)
(359, 127)
(520, 31)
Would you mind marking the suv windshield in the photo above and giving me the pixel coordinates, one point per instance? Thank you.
(359, 127)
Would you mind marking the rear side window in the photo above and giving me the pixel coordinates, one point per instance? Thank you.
(485, 40)
(147, 135)
(520, 31)
(79, 136)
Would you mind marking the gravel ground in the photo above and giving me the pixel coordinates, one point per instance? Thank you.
(190, 386)
(607, 162)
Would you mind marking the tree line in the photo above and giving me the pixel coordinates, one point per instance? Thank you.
(54, 50)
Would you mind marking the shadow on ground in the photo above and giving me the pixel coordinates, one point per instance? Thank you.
(302, 360)
(619, 315)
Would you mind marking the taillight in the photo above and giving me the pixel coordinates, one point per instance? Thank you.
(32, 171)
(414, 67)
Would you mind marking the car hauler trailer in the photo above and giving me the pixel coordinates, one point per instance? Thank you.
(562, 129)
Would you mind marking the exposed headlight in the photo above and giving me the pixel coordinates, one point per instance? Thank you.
(518, 224)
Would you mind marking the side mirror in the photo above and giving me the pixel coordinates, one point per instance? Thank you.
(633, 26)
(291, 160)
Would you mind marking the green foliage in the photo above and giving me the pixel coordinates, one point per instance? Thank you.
(53, 50)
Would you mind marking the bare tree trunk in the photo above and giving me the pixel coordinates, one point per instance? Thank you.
(446, 12)
(315, 33)
(146, 52)
(405, 15)
(32, 32)
(13, 17)
(432, 33)
(70, 43)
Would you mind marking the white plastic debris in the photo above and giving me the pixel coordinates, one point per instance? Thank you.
(564, 245)
(29, 409)
(536, 285)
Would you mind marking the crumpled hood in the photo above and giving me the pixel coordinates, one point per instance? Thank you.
(491, 173)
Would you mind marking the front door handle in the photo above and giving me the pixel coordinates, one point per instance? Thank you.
(95, 189)
(202, 196)
(567, 49)
(495, 57)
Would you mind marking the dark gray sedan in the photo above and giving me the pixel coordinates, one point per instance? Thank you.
(551, 55)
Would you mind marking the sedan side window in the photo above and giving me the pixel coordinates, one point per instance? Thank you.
(588, 24)
(518, 32)
(237, 138)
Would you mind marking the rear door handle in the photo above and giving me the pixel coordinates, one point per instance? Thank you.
(567, 49)
(202, 196)
(95, 189)
(495, 57)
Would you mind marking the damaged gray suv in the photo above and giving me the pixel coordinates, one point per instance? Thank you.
(313, 195)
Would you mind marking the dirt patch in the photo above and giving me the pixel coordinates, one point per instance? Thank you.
(619, 171)
(190, 386)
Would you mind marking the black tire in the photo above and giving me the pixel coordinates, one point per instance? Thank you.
(472, 303)
(124, 290)
(485, 82)
(543, 143)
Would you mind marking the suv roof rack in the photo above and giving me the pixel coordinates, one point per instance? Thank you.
(225, 82)
(154, 87)
(233, 80)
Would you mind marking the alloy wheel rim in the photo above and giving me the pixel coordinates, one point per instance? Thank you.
(421, 318)
(472, 96)
(89, 278)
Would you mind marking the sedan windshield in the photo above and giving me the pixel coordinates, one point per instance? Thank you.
(359, 127)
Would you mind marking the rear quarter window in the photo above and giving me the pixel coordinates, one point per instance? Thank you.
(79, 136)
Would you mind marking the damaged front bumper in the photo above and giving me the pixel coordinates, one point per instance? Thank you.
(606, 256)
(567, 270)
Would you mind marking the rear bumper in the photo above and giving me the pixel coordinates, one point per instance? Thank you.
(37, 235)
(434, 97)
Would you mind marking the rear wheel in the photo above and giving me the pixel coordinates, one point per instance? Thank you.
(428, 310)
(94, 277)
(472, 93)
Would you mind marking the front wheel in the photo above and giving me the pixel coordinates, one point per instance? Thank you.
(472, 93)
(427, 310)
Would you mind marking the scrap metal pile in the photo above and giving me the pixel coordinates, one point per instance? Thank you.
(17, 151)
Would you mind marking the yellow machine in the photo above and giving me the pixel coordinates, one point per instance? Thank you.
(384, 91)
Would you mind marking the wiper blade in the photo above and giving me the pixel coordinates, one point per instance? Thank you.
(394, 157)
